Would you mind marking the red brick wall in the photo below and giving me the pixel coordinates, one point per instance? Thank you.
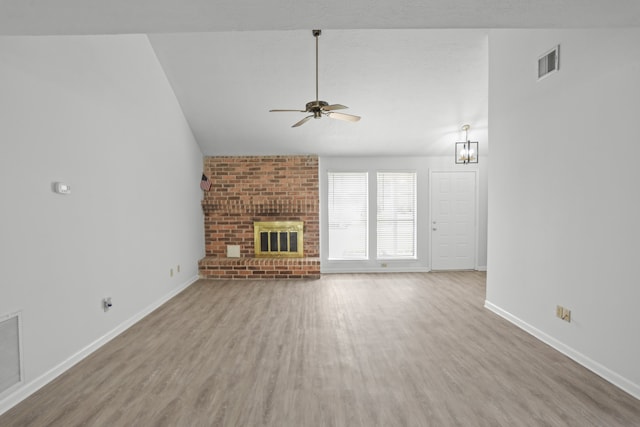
(259, 188)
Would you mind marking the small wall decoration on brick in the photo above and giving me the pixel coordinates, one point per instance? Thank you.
(247, 189)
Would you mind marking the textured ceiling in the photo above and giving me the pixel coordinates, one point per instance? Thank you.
(21, 17)
(415, 70)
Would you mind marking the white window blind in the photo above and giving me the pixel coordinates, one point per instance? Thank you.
(348, 215)
(396, 217)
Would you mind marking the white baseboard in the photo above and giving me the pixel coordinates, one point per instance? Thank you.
(481, 268)
(338, 270)
(31, 387)
(614, 378)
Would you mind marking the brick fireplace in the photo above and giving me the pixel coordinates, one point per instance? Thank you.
(250, 189)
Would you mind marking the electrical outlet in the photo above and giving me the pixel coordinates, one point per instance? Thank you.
(384, 264)
(171, 272)
(559, 311)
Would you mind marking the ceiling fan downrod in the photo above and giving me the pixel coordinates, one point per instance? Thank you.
(316, 34)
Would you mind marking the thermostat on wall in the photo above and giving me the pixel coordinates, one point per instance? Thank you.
(61, 188)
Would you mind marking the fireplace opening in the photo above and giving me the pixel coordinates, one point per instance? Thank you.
(278, 239)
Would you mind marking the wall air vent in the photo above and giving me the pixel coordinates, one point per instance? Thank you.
(10, 357)
(549, 62)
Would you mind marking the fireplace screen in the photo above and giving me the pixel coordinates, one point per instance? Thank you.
(278, 239)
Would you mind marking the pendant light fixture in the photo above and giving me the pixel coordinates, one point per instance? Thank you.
(466, 151)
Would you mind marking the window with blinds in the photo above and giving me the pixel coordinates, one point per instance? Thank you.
(396, 216)
(348, 205)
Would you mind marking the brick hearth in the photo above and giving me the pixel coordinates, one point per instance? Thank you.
(259, 188)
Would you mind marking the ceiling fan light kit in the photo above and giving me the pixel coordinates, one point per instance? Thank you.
(320, 108)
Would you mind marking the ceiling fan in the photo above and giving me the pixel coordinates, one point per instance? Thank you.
(319, 108)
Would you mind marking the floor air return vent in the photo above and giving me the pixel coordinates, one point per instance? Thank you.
(10, 366)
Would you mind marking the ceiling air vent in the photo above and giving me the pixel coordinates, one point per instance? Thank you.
(549, 62)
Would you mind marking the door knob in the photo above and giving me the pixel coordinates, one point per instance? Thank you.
(434, 229)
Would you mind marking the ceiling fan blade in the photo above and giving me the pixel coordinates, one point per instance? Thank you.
(286, 111)
(342, 116)
(334, 107)
(303, 121)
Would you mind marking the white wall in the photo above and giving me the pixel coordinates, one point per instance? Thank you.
(98, 114)
(563, 202)
(422, 166)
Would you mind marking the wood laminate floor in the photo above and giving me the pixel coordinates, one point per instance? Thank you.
(415, 349)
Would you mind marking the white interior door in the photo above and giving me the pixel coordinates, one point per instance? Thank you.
(453, 220)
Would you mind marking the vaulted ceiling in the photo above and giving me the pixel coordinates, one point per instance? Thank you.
(413, 89)
(415, 70)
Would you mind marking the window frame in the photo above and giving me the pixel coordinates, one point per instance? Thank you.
(367, 218)
(414, 219)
